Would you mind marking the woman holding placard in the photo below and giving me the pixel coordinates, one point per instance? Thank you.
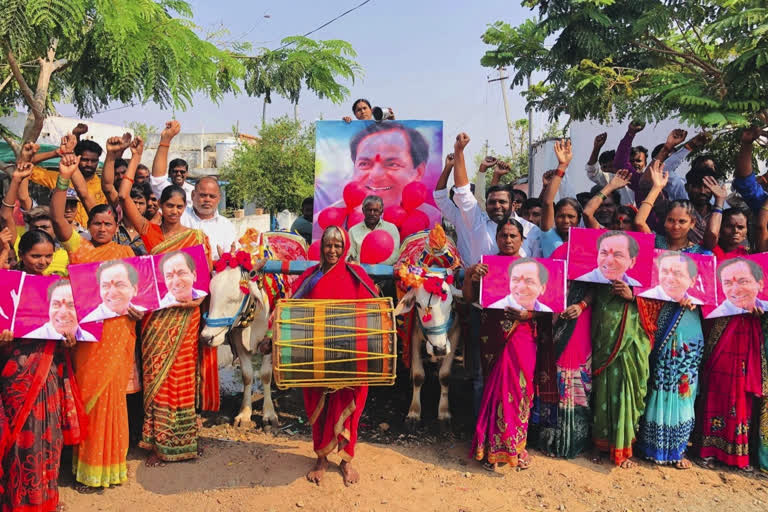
(557, 219)
(102, 368)
(731, 376)
(501, 433)
(41, 401)
(678, 344)
(169, 336)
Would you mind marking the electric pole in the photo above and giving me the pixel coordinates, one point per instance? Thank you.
(502, 78)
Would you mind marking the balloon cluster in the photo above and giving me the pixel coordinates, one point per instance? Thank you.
(378, 245)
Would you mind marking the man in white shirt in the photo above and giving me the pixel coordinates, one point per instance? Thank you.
(62, 318)
(527, 282)
(677, 273)
(179, 275)
(373, 208)
(616, 253)
(481, 225)
(204, 215)
(118, 285)
(742, 281)
(176, 173)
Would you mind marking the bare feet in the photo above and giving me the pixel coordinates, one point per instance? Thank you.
(61, 507)
(317, 472)
(523, 460)
(626, 464)
(351, 476)
(84, 489)
(153, 461)
(683, 464)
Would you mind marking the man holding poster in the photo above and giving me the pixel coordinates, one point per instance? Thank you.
(527, 282)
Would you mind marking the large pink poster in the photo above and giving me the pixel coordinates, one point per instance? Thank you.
(181, 276)
(678, 275)
(741, 286)
(9, 291)
(603, 256)
(46, 311)
(533, 284)
(107, 289)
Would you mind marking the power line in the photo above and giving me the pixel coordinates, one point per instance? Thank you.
(329, 22)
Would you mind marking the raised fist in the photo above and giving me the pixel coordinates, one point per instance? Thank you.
(172, 129)
(462, 140)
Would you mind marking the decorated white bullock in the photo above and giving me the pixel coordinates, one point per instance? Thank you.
(428, 317)
(242, 300)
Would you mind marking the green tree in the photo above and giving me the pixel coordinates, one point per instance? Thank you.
(704, 62)
(302, 62)
(277, 171)
(93, 52)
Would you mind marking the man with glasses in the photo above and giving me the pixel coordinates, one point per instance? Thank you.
(177, 169)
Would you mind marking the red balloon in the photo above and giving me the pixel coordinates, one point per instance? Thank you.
(377, 246)
(353, 194)
(414, 195)
(417, 221)
(396, 215)
(313, 254)
(354, 217)
(332, 216)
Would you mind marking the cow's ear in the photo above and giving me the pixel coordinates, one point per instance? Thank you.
(406, 303)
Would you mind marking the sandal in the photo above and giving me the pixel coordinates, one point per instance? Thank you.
(523, 460)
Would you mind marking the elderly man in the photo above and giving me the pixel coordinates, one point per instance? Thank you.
(179, 274)
(616, 254)
(373, 208)
(677, 274)
(118, 285)
(177, 169)
(527, 282)
(742, 281)
(62, 319)
(204, 215)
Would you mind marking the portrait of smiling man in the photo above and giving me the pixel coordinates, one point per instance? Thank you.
(62, 318)
(616, 254)
(179, 275)
(742, 280)
(118, 285)
(527, 282)
(677, 274)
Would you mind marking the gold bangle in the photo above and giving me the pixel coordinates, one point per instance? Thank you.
(647, 202)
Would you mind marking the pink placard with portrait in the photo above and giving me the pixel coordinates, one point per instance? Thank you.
(399, 161)
(533, 284)
(182, 276)
(9, 291)
(107, 289)
(677, 275)
(602, 256)
(741, 286)
(46, 311)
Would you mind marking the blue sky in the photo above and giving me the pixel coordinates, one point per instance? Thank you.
(421, 57)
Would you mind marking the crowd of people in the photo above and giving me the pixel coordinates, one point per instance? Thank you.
(614, 373)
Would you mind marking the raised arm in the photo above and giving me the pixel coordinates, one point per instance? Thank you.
(659, 179)
(619, 180)
(712, 233)
(486, 164)
(67, 146)
(67, 167)
(79, 130)
(597, 145)
(115, 148)
(81, 187)
(442, 181)
(622, 158)
(564, 153)
(460, 178)
(675, 137)
(129, 207)
(28, 151)
(21, 173)
(160, 163)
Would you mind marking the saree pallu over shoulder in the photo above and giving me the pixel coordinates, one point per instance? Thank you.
(620, 350)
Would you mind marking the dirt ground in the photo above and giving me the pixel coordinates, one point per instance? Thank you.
(248, 469)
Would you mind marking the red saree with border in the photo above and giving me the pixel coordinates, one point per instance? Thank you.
(174, 368)
(335, 415)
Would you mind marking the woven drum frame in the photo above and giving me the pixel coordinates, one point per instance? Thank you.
(334, 343)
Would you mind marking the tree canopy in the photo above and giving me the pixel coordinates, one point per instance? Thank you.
(704, 62)
(277, 171)
(93, 52)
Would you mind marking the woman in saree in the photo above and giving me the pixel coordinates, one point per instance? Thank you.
(501, 432)
(678, 341)
(169, 349)
(41, 403)
(732, 376)
(103, 368)
(334, 414)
